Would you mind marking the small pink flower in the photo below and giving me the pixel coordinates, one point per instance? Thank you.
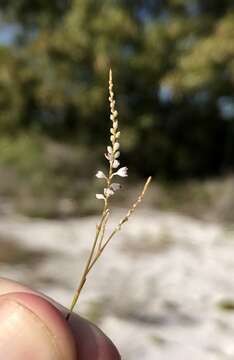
(100, 196)
(115, 186)
(108, 157)
(116, 146)
(108, 192)
(100, 175)
(123, 172)
(115, 164)
(109, 149)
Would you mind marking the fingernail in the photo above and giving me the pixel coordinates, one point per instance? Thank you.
(23, 335)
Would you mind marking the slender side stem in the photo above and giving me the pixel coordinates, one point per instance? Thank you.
(119, 226)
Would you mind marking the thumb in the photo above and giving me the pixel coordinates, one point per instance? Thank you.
(32, 328)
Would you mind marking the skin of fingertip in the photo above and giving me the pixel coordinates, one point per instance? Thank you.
(51, 317)
(91, 342)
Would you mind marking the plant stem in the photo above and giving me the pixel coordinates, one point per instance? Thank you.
(86, 269)
(119, 226)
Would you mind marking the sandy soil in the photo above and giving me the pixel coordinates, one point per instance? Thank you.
(164, 289)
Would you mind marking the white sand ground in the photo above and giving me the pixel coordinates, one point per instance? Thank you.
(158, 289)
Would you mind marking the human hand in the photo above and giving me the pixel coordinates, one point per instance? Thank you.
(33, 327)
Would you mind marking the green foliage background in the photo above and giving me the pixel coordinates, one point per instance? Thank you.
(173, 64)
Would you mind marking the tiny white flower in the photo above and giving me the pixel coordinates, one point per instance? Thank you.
(116, 146)
(117, 154)
(115, 164)
(112, 131)
(100, 196)
(115, 186)
(112, 117)
(112, 138)
(100, 175)
(117, 134)
(109, 149)
(115, 113)
(108, 192)
(108, 156)
(115, 124)
(123, 172)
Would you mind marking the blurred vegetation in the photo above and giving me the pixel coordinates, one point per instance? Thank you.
(211, 199)
(174, 74)
(226, 305)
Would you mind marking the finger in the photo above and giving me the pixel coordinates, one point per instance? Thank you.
(32, 328)
(90, 341)
(8, 286)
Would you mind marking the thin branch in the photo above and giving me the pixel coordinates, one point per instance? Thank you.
(123, 221)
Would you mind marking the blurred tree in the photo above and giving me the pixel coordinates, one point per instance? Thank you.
(34, 13)
(173, 66)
